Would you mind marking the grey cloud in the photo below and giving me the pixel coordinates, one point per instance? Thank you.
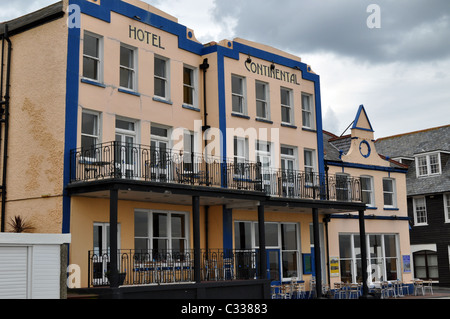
(411, 30)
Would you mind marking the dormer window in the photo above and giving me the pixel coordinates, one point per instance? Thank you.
(428, 164)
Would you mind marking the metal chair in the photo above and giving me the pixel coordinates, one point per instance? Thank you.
(428, 285)
(418, 286)
(354, 291)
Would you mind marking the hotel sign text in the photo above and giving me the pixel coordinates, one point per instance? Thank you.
(271, 72)
(146, 37)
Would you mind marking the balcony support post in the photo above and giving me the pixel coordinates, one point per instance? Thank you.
(362, 237)
(196, 228)
(262, 243)
(317, 260)
(113, 219)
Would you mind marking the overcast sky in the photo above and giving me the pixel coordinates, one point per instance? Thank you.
(399, 69)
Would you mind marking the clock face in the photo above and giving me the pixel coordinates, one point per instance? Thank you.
(364, 149)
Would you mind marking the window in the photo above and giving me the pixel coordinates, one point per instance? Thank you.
(307, 111)
(289, 183)
(238, 94)
(127, 68)
(447, 207)
(286, 106)
(343, 188)
(92, 57)
(389, 193)
(161, 78)
(309, 165)
(263, 156)
(420, 211)
(262, 101)
(383, 257)
(127, 154)
(161, 232)
(282, 243)
(426, 265)
(89, 132)
(160, 153)
(428, 165)
(367, 190)
(189, 86)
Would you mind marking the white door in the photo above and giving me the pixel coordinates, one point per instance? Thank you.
(102, 248)
(127, 152)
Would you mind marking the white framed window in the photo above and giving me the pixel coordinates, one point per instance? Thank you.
(161, 78)
(288, 158)
(287, 111)
(367, 190)
(428, 164)
(190, 86)
(92, 57)
(309, 165)
(240, 150)
(420, 211)
(447, 207)
(90, 131)
(389, 193)
(161, 232)
(282, 244)
(262, 100)
(307, 111)
(289, 184)
(128, 67)
(238, 94)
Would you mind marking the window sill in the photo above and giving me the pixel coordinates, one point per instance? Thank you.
(242, 116)
(391, 208)
(371, 207)
(129, 92)
(264, 120)
(288, 125)
(159, 99)
(190, 107)
(309, 129)
(93, 82)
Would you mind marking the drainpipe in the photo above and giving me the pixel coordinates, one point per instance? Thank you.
(5, 103)
(205, 66)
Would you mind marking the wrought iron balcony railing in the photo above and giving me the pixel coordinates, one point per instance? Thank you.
(138, 162)
(146, 267)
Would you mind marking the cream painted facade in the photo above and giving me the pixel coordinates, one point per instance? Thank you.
(128, 97)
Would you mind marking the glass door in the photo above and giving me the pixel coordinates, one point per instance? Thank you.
(127, 152)
(102, 248)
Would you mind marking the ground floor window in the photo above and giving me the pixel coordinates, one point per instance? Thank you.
(426, 265)
(382, 252)
(282, 245)
(161, 231)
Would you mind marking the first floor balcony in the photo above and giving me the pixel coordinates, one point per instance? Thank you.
(135, 162)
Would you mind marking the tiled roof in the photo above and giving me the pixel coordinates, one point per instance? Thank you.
(411, 144)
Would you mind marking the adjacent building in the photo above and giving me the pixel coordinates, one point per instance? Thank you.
(172, 161)
(426, 153)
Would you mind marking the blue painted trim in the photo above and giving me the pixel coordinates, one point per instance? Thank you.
(70, 141)
(240, 116)
(258, 119)
(158, 99)
(391, 209)
(368, 167)
(288, 125)
(189, 107)
(347, 216)
(129, 92)
(360, 110)
(92, 82)
(227, 228)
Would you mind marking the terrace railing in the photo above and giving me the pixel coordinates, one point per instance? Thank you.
(144, 163)
(146, 267)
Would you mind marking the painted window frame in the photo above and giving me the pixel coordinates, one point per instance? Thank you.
(371, 191)
(96, 135)
(265, 101)
(288, 106)
(427, 165)
(98, 59)
(191, 87)
(422, 219)
(133, 69)
(163, 78)
(393, 193)
(308, 115)
(240, 96)
(447, 207)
